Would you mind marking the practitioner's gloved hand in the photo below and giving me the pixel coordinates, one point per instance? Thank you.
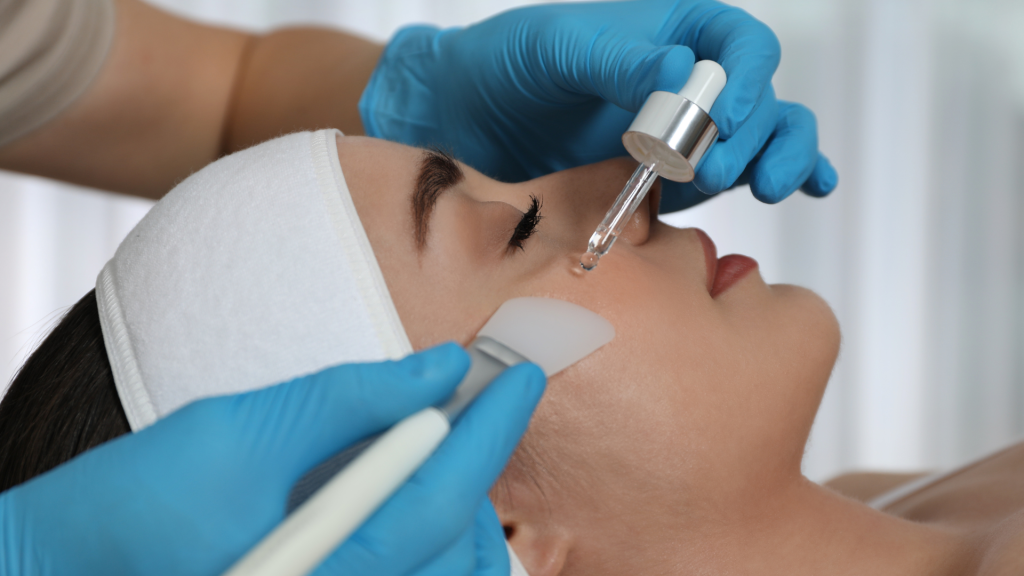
(550, 87)
(194, 492)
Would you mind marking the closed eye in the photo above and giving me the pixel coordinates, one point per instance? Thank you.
(526, 226)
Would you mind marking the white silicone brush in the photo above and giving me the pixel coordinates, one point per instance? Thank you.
(335, 498)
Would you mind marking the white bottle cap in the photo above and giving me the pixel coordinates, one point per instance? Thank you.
(705, 84)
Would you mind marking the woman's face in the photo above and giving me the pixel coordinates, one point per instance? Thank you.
(704, 390)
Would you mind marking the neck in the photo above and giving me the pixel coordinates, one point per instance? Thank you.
(809, 530)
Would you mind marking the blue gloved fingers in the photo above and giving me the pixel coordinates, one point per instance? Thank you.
(749, 52)
(790, 157)
(331, 409)
(297, 424)
(625, 72)
(676, 196)
(459, 559)
(556, 85)
(823, 179)
(195, 491)
(775, 170)
(727, 160)
(478, 551)
(488, 556)
(440, 501)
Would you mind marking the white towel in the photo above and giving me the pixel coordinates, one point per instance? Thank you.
(252, 271)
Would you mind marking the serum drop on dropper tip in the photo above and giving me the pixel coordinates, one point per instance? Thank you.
(589, 260)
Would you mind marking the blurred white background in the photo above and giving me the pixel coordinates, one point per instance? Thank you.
(920, 252)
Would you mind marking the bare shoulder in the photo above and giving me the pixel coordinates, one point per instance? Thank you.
(980, 495)
(1004, 549)
(983, 500)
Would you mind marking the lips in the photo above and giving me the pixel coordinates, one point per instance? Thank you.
(723, 272)
(730, 270)
(710, 256)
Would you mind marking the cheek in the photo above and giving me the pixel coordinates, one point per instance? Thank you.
(641, 394)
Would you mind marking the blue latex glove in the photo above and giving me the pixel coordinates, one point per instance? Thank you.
(194, 492)
(550, 87)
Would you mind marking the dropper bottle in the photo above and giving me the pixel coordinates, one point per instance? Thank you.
(668, 138)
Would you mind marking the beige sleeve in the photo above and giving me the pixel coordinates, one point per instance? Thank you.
(50, 51)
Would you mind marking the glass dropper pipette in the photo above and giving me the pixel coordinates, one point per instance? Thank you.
(669, 136)
(619, 215)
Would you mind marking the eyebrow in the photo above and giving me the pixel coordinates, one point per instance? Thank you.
(438, 172)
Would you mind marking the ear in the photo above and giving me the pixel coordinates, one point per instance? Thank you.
(542, 552)
(532, 526)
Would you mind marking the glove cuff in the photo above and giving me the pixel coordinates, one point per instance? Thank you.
(399, 102)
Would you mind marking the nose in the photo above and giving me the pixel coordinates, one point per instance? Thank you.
(579, 199)
(638, 229)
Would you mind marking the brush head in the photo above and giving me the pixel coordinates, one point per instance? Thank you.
(553, 334)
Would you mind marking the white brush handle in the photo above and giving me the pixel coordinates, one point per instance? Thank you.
(309, 535)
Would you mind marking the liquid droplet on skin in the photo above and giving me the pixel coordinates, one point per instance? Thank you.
(589, 261)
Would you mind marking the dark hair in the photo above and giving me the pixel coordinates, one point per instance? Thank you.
(62, 401)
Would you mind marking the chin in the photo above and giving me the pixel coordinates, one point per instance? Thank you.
(814, 306)
(812, 333)
(812, 310)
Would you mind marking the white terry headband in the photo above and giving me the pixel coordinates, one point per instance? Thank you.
(252, 271)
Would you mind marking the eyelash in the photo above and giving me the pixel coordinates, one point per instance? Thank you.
(526, 226)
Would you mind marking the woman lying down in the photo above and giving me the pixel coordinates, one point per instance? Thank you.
(675, 449)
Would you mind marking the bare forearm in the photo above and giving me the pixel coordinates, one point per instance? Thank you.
(175, 95)
(154, 114)
(300, 79)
